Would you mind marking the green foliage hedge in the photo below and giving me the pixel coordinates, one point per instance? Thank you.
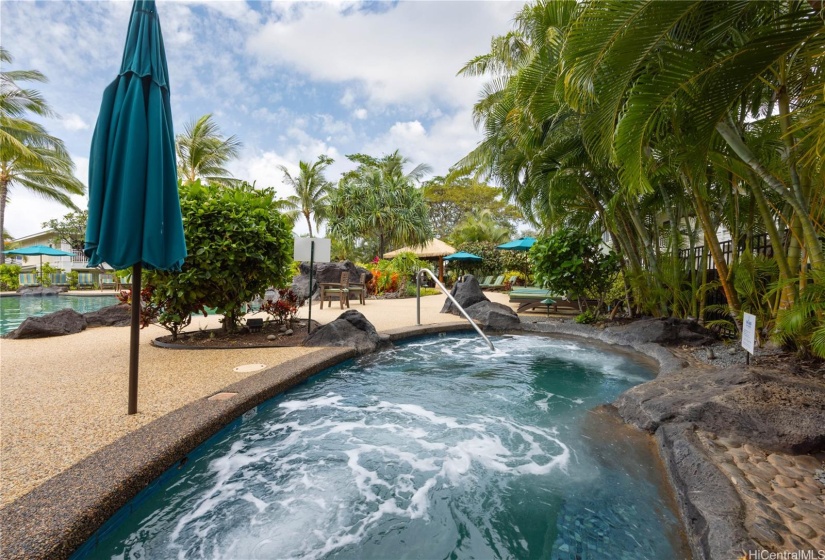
(238, 243)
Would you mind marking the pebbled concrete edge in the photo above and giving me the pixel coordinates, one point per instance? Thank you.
(711, 511)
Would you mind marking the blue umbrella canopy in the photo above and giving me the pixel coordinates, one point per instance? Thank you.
(463, 256)
(520, 244)
(134, 209)
(35, 250)
(40, 250)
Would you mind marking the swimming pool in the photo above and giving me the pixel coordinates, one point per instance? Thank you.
(15, 309)
(437, 449)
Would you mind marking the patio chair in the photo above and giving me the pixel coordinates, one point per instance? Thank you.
(497, 283)
(360, 288)
(28, 280)
(108, 281)
(341, 289)
(59, 280)
(124, 283)
(85, 280)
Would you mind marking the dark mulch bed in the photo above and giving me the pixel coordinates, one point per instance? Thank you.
(220, 339)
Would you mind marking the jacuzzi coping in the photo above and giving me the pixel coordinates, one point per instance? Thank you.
(59, 516)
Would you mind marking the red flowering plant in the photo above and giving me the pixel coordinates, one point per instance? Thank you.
(162, 308)
(284, 308)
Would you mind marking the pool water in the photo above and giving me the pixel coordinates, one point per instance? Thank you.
(437, 449)
(15, 309)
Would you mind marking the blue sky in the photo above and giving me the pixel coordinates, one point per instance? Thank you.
(292, 80)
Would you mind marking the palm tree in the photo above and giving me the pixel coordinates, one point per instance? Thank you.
(480, 228)
(311, 190)
(30, 157)
(379, 202)
(202, 153)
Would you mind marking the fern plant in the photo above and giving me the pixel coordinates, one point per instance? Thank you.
(803, 325)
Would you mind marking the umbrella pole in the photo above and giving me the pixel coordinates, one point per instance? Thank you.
(134, 338)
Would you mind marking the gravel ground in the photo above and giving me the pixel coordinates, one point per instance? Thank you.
(63, 398)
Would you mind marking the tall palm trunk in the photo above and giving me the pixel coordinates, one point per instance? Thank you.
(309, 223)
(777, 244)
(712, 243)
(4, 190)
(799, 205)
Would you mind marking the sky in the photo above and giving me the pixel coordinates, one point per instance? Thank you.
(292, 80)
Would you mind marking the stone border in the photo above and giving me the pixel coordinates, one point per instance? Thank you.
(57, 517)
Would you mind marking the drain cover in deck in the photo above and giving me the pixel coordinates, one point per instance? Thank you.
(249, 368)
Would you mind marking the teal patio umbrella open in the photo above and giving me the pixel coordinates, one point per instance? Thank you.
(463, 256)
(520, 244)
(40, 250)
(134, 209)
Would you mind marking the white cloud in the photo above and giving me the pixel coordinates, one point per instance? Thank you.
(360, 114)
(408, 54)
(446, 141)
(74, 122)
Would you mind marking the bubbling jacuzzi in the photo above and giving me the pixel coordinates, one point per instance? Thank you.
(436, 449)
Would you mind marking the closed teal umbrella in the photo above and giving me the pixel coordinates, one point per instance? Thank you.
(134, 209)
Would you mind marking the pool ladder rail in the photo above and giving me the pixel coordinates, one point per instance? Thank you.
(447, 293)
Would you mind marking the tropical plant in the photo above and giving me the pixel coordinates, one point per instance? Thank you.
(203, 152)
(30, 158)
(45, 271)
(311, 190)
(493, 260)
(379, 204)
(457, 196)
(658, 125)
(71, 229)
(568, 263)
(240, 246)
(10, 277)
(285, 308)
(481, 227)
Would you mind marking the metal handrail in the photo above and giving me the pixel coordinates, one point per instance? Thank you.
(449, 295)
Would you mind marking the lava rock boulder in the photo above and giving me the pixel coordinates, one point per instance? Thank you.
(667, 331)
(492, 315)
(351, 329)
(59, 323)
(119, 315)
(466, 293)
(326, 272)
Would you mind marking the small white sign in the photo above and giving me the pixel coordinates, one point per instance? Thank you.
(323, 249)
(748, 331)
(249, 414)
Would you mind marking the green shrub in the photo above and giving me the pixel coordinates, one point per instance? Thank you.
(45, 271)
(571, 263)
(9, 279)
(590, 315)
(73, 277)
(494, 261)
(238, 243)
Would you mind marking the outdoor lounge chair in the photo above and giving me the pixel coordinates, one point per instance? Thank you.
(85, 280)
(497, 283)
(59, 280)
(539, 298)
(341, 289)
(361, 289)
(28, 280)
(107, 281)
(486, 281)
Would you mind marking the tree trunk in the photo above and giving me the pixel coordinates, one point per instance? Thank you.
(800, 207)
(4, 190)
(309, 223)
(789, 294)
